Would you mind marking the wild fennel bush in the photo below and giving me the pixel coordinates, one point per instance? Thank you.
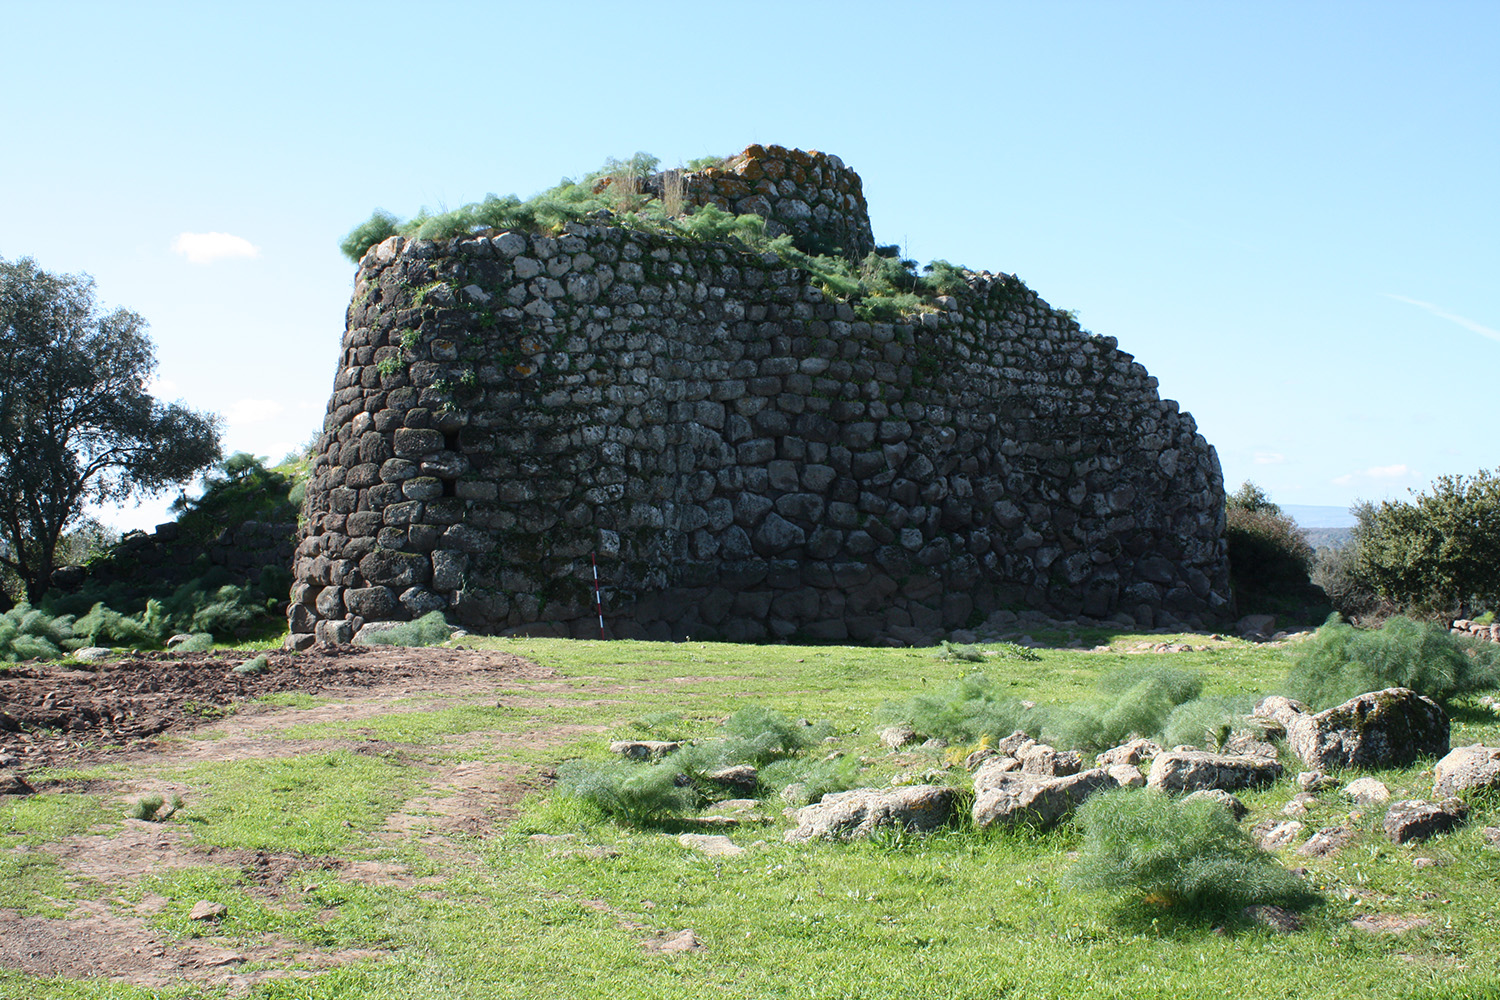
(1340, 661)
(27, 633)
(963, 711)
(1137, 701)
(1191, 854)
(680, 782)
(429, 630)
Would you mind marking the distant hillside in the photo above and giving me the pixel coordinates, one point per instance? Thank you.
(1308, 516)
(1333, 538)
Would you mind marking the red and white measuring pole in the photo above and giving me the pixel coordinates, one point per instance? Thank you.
(598, 601)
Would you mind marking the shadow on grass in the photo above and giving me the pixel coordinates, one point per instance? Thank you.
(1148, 916)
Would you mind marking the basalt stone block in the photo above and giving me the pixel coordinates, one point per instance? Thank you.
(371, 603)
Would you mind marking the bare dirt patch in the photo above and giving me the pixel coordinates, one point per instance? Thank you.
(120, 712)
(52, 714)
(99, 942)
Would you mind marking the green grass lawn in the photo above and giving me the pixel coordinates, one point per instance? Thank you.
(961, 914)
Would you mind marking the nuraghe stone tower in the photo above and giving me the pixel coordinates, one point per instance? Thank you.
(742, 455)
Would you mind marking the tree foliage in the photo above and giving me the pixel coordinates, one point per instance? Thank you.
(1270, 560)
(1439, 554)
(77, 425)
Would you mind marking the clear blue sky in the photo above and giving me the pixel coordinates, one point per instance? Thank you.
(1287, 211)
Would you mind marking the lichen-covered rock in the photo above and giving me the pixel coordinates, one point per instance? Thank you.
(1127, 775)
(738, 777)
(1466, 769)
(1368, 792)
(1315, 781)
(1329, 840)
(1389, 728)
(1039, 758)
(860, 811)
(1012, 797)
(896, 737)
(1249, 745)
(1272, 835)
(1129, 753)
(1415, 819)
(644, 749)
(1191, 770)
(1279, 709)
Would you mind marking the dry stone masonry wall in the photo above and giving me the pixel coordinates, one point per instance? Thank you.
(742, 455)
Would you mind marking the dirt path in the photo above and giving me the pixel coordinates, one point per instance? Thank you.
(165, 708)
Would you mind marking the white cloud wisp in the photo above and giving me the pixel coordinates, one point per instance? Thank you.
(205, 248)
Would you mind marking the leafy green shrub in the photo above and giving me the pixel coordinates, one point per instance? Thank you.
(963, 711)
(1135, 701)
(429, 630)
(1270, 561)
(1177, 853)
(636, 793)
(1438, 555)
(1341, 661)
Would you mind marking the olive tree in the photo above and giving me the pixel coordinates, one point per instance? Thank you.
(77, 425)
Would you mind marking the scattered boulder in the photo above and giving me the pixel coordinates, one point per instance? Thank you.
(1256, 626)
(1415, 819)
(1191, 770)
(1017, 797)
(715, 845)
(1280, 710)
(896, 737)
(1315, 781)
(1278, 919)
(978, 757)
(1011, 746)
(1369, 791)
(1388, 728)
(738, 778)
(858, 812)
(1327, 841)
(678, 942)
(1129, 753)
(1466, 769)
(1236, 808)
(1272, 836)
(13, 784)
(1387, 923)
(1039, 758)
(1301, 803)
(1127, 775)
(1250, 745)
(644, 749)
(1491, 835)
(90, 654)
(207, 910)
